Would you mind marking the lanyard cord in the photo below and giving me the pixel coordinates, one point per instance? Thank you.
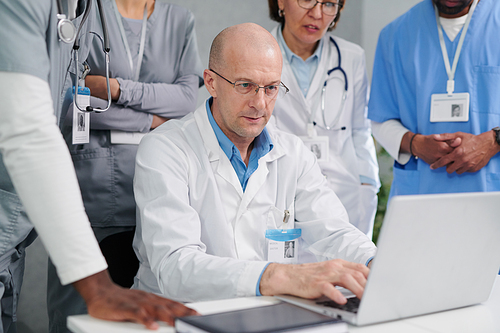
(450, 87)
(125, 41)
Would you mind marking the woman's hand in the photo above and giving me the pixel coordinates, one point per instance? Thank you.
(97, 86)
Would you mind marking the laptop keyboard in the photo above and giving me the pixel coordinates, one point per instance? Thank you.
(352, 304)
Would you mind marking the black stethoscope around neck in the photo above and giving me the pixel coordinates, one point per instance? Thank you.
(339, 68)
(68, 33)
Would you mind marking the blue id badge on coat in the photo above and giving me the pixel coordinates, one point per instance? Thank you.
(283, 245)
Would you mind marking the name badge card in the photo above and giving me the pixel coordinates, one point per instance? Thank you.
(283, 245)
(81, 120)
(450, 108)
(318, 145)
(126, 138)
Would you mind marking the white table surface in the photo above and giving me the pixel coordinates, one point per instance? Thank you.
(484, 318)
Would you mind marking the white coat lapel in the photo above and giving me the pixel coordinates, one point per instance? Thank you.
(225, 170)
(320, 75)
(288, 78)
(218, 160)
(259, 177)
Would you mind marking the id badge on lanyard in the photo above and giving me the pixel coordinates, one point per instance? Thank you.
(126, 138)
(81, 120)
(317, 144)
(283, 243)
(120, 137)
(451, 107)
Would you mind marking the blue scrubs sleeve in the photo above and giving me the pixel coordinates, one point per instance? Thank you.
(383, 105)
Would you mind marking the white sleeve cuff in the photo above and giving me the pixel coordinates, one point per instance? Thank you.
(389, 134)
(249, 278)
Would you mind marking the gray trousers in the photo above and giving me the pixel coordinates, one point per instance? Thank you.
(62, 301)
(11, 280)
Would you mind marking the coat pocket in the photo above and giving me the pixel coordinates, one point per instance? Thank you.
(485, 97)
(95, 172)
(15, 225)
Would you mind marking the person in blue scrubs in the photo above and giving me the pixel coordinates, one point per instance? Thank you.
(436, 152)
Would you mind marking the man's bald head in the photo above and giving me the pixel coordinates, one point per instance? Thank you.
(241, 39)
(248, 54)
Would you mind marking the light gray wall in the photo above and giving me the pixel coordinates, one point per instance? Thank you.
(360, 23)
(349, 25)
(212, 16)
(376, 15)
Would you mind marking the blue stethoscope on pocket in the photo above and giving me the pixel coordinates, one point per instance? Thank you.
(339, 68)
(68, 33)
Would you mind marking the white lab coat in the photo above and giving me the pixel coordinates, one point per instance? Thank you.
(200, 237)
(352, 150)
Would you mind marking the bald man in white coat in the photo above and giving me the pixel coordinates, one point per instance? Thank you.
(210, 186)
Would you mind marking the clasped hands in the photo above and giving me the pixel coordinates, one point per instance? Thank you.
(460, 152)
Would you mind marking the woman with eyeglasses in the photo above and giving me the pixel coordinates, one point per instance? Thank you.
(326, 105)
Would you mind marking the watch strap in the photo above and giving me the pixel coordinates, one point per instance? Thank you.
(497, 134)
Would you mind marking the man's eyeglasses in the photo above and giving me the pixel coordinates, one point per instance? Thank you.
(328, 7)
(245, 87)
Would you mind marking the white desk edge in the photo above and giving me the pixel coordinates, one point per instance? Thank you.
(483, 318)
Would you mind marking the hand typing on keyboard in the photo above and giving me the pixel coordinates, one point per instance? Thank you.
(352, 304)
(315, 279)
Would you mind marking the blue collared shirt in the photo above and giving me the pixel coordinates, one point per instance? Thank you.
(261, 146)
(303, 70)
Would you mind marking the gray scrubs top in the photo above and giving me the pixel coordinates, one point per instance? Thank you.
(29, 45)
(168, 84)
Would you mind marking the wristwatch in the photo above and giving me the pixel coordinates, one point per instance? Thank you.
(497, 134)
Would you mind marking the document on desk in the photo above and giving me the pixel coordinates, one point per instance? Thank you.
(87, 324)
(282, 317)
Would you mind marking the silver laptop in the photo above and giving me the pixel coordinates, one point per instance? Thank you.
(435, 252)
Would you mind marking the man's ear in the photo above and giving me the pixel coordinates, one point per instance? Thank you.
(209, 78)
